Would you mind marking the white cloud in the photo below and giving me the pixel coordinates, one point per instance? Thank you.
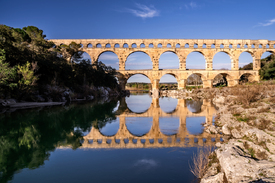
(268, 23)
(191, 5)
(144, 11)
(146, 162)
(108, 57)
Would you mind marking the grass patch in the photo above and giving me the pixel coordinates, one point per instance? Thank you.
(244, 119)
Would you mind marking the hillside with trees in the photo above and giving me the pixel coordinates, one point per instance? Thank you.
(267, 70)
(33, 68)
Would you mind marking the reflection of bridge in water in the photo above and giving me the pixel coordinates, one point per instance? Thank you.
(155, 138)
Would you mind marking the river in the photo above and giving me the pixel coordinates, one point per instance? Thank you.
(134, 139)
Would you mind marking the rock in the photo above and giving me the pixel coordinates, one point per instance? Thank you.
(211, 129)
(219, 99)
(10, 101)
(225, 130)
(103, 91)
(38, 98)
(89, 97)
(238, 167)
(237, 134)
(215, 178)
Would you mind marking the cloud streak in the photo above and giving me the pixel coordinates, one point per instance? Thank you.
(268, 23)
(144, 11)
(191, 5)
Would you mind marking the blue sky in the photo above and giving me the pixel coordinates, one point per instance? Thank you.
(151, 19)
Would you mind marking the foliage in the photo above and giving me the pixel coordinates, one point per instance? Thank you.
(247, 67)
(200, 161)
(28, 137)
(28, 79)
(7, 74)
(268, 67)
(40, 61)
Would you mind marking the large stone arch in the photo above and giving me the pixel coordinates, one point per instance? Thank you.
(104, 51)
(136, 51)
(238, 54)
(231, 80)
(168, 51)
(272, 51)
(234, 64)
(200, 51)
(247, 77)
(203, 77)
(170, 73)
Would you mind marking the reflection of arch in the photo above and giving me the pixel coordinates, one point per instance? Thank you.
(112, 128)
(171, 107)
(144, 120)
(172, 131)
(194, 106)
(195, 123)
(138, 104)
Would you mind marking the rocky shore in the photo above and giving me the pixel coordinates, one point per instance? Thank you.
(246, 118)
(54, 96)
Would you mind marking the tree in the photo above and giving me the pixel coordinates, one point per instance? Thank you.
(28, 79)
(267, 70)
(7, 74)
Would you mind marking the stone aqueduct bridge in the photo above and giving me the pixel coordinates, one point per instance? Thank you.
(204, 46)
(155, 138)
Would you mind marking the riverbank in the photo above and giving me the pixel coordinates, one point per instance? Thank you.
(55, 96)
(246, 116)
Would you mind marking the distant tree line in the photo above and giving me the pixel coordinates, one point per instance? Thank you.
(29, 62)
